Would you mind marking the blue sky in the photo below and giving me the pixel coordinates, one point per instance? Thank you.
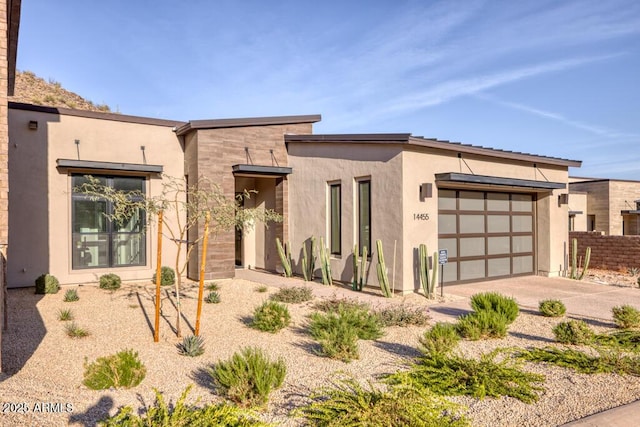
(557, 78)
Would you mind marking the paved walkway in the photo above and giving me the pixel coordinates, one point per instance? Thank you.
(582, 299)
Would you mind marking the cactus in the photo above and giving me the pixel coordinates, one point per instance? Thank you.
(325, 264)
(309, 262)
(285, 257)
(574, 261)
(428, 283)
(359, 268)
(383, 277)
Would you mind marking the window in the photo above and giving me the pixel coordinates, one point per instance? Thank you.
(364, 215)
(99, 242)
(591, 223)
(335, 214)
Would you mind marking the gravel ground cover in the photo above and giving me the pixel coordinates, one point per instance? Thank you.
(42, 383)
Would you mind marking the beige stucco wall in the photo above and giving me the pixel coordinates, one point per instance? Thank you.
(597, 201)
(41, 205)
(396, 175)
(314, 166)
(578, 203)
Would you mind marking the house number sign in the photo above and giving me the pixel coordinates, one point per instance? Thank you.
(421, 217)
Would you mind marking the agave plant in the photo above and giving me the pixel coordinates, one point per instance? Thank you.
(191, 346)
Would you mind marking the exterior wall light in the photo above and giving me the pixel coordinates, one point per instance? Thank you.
(426, 191)
(33, 124)
(563, 199)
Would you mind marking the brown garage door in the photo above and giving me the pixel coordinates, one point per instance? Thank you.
(487, 234)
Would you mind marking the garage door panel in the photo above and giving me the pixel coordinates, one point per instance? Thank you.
(474, 269)
(523, 264)
(499, 267)
(472, 246)
(451, 245)
(471, 224)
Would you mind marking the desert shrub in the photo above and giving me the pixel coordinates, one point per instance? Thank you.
(248, 377)
(552, 308)
(451, 375)
(47, 284)
(212, 298)
(261, 289)
(213, 286)
(110, 281)
(65, 314)
(482, 325)
(442, 338)
(604, 362)
(75, 331)
(182, 414)
(294, 295)
(493, 301)
(339, 340)
(191, 345)
(167, 276)
(401, 315)
(626, 316)
(334, 303)
(573, 332)
(71, 295)
(271, 316)
(123, 369)
(624, 340)
(347, 403)
(366, 325)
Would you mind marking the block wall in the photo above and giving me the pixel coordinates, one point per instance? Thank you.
(608, 252)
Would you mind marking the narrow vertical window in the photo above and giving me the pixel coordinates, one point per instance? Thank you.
(335, 208)
(364, 215)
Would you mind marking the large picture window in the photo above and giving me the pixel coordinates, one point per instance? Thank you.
(335, 214)
(364, 215)
(99, 242)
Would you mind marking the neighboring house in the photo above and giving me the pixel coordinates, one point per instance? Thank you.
(612, 205)
(498, 213)
(9, 25)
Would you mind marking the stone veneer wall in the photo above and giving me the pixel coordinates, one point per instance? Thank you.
(608, 252)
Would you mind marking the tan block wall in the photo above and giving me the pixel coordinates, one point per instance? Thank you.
(4, 161)
(622, 197)
(609, 252)
(217, 151)
(40, 222)
(597, 202)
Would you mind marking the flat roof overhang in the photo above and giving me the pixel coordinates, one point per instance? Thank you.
(630, 212)
(108, 166)
(574, 213)
(455, 178)
(261, 171)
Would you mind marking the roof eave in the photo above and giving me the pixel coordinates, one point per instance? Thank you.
(246, 122)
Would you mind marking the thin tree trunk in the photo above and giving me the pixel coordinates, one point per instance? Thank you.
(203, 260)
(156, 332)
(178, 283)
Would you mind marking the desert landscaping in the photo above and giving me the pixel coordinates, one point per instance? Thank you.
(44, 365)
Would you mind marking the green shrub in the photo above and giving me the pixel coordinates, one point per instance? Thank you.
(348, 403)
(110, 281)
(442, 338)
(573, 332)
(167, 276)
(191, 346)
(626, 316)
(294, 295)
(552, 308)
(212, 298)
(339, 340)
(75, 331)
(181, 414)
(624, 340)
(262, 289)
(401, 315)
(65, 314)
(451, 375)
(333, 304)
(366, 324)
(123, 369)
(271, 316)
(71, 295)
(482, 325)
(248, 377)
(47, 284)
(493, 301)
(605, 362)
(213, 286)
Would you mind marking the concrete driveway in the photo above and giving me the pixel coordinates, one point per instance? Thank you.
(583, 299)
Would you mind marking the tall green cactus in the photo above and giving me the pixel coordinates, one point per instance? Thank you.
(309, 262)
(325, 264)
(383, 277)
(428, 283)
(574, 261)
(359, 268)
(285, 257)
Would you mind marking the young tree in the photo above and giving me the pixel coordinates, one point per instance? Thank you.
(187, 205)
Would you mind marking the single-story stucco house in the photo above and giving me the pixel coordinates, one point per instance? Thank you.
(498, 213)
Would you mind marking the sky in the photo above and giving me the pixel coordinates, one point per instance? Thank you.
(555, 78)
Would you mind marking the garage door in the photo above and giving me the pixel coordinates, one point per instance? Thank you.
(487, 234)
